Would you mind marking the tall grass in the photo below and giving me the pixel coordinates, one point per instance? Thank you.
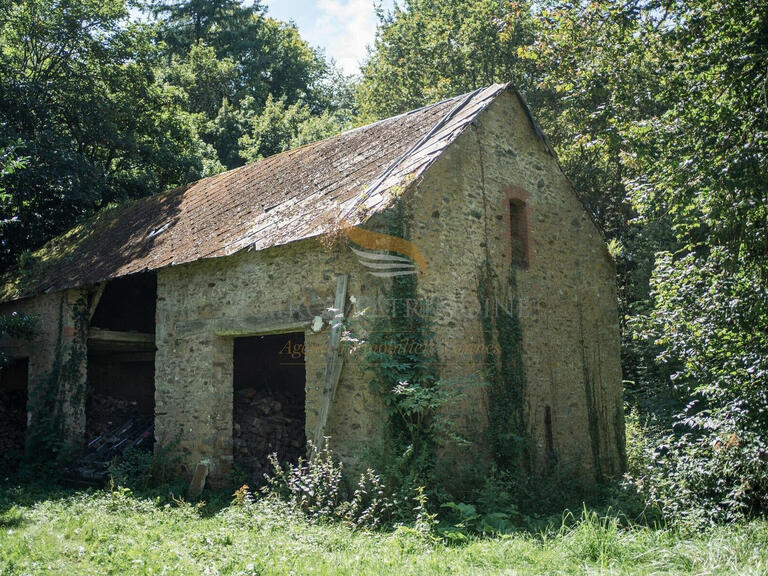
(116, 532)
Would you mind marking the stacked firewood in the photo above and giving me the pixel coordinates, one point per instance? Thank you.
(13, 422)
(263, 425)
(104, 413)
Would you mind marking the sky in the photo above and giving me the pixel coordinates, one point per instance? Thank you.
(343, 28)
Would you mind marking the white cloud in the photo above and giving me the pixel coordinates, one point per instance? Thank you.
(346, 28)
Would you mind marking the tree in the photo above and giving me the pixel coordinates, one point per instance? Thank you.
(227, 25)
(206, 80)
(269, 57)
(281, 63)
(428, 50)
(280, 127)
(228, 58)
(702, 167)
(78, 91)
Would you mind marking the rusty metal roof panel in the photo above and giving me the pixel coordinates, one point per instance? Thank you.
(284, 198)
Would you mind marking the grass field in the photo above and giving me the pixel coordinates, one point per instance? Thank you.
(115, 532)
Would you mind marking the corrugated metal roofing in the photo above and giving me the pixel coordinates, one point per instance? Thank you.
(287, 197)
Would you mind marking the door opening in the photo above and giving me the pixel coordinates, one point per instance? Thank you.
(121, 360)
(13, 410)
(269, 395)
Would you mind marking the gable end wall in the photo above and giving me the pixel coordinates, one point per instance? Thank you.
(567, 302)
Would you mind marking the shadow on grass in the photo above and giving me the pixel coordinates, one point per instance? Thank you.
(29, 485)
(12, 518)
(525, 511)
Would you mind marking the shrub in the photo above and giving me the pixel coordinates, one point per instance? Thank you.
(316, 488)
(132, 470)
(140, 469)
(712, 466)
(694, 480)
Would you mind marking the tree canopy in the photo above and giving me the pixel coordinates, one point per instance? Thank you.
(107, 109)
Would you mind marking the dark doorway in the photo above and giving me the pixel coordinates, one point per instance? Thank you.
(269, 394)
(121, 356)
(13, 410)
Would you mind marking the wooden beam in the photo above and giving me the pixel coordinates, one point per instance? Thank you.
(101, 335)
(334, 362)
(244, 327)
(110, 341)
(112, 355)
(95, 299)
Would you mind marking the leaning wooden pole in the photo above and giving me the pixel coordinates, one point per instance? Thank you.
(333, 365)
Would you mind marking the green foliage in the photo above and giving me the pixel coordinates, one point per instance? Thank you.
(507, 431)
(714, 466)
(427, 50)
(64, 385)
(206, 80)
(701, 166)
(507, 501)
(9, 163)
(316, 488)
(223, 23)
(280, 127)
(16, 325)
(79, 95)
(465, 521)
(141, 470)
(594, 538)
(403, 363)
(104, 109)
(56, 531)
(241, 71)
(132, 470)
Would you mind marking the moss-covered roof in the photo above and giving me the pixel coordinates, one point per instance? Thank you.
(287, 197)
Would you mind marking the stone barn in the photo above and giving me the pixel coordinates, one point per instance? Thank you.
(224, 311)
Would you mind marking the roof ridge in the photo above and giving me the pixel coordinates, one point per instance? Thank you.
(464, 99)
(315, 143)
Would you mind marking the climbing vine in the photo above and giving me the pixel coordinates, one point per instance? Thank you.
(507, 428)
(402, 355)
(64, 385)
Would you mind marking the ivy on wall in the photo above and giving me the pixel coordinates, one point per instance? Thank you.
(64, 385)
(503, 338)
(507, 429)
(405, 375)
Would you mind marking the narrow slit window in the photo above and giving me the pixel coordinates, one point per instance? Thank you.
(518, 227)
(549, 437)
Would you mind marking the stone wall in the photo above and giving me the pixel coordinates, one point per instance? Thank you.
(566, 296)
(203, 306)
(57, 360)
